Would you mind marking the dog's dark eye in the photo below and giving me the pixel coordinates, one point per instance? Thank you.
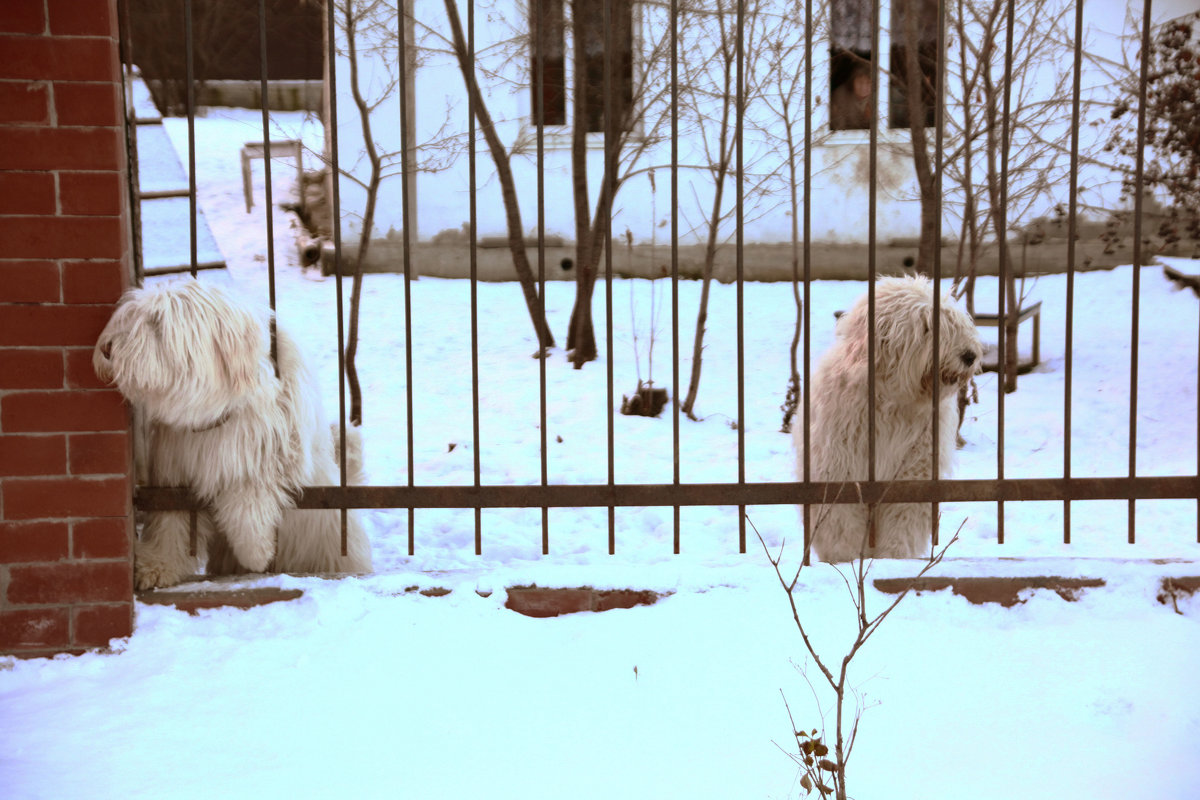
(968, 357)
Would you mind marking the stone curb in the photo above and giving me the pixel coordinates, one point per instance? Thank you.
(543, 602)
(192, 601)
(538, 601)
(1005, 591)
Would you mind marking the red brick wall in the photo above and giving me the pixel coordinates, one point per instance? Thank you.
(65, 456)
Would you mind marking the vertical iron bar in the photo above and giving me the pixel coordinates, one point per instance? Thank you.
(472, 216)
(129, 115)
(192, 227)
(1072, 227)
(268, 201)
(1139, 191)
(610, 133)
(739, 120)
(332, 134)
(872, 191)
(1001, 360)
(263, 88)
(675, 432)
(406, 211)
(406, 239)
(190, 79)
(806, 311)
(141, 457)
(938, 153)
(539, 111)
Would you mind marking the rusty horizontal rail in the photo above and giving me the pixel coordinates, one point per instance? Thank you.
(716, 494)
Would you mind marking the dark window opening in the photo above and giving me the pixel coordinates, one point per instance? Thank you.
(850, 66)
(925, 35)
(596, 38)
(850, 98)
(548, 55)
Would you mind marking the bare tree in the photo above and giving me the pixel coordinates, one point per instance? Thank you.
(970, 240)
(592, 227)
(992, 102)
(1022, 103)
(785, 91)
(996, 138)
(631, 132)
(356, 19)
(919, 93)
(370, 27)
(516, 232)
(590, 237)
(720, 81)
(813, 749)
(713, 79)
(639, 123)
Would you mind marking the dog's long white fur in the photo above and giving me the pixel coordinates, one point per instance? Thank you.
(904, 439)
(196, 359)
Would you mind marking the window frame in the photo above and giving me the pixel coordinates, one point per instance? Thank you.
(890, 104)
(559, 134)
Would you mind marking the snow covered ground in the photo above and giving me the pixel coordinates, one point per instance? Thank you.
(361, 689)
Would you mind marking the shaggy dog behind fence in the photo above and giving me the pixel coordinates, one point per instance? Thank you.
(905, 374)
(196, 360)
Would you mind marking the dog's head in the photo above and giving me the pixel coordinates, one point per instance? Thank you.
(904, 362)
(185, 352)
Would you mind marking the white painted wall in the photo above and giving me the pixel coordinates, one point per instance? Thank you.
(839, 206)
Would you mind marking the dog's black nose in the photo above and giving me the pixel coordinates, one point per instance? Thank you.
(106, 350)
(968, 357)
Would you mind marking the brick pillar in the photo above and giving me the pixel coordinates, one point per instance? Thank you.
(66, 524)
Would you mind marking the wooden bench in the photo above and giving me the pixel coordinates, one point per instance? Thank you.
(1033, 312)
(284, 147)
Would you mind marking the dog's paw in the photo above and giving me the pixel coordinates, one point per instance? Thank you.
(151, 575)
(252, 554)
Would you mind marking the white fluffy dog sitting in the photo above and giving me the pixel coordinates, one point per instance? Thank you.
(196, 360)
(904, 384)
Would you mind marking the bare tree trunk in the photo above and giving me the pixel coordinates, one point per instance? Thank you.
(970, 240)
(792, 400)
(368, 220)
(581, 341)
(972, 243)
(720, 171)
(1007, 364)
(710, 257)
(508, 190)
(840, 751)
(914, 89)
(1012, 316)
(581, 334)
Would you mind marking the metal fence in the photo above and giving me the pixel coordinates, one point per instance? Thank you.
(676, 494)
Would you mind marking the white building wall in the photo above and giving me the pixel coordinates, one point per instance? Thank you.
(839, 207)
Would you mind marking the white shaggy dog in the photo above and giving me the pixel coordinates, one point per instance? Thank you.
(904, 382)
(196, 360)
